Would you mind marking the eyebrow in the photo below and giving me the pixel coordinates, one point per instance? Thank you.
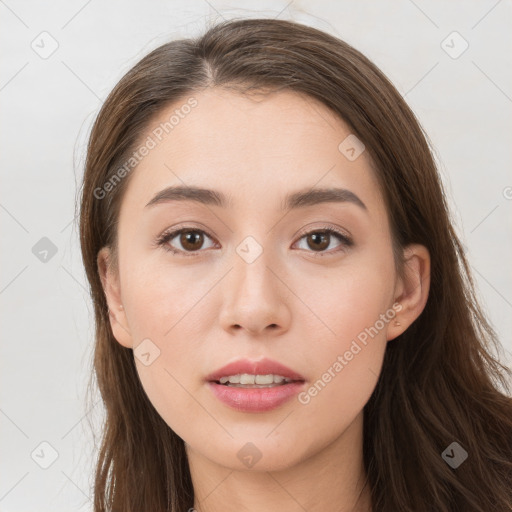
(299, 199)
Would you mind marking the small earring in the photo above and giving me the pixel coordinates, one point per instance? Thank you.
(397, 322)
(120, 306)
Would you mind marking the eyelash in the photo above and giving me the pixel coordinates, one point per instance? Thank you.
(167, 236)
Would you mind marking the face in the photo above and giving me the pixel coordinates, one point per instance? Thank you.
(309, 284)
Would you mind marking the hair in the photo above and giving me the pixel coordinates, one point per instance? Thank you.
(441, 378)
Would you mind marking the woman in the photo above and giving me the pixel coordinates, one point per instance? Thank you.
(285, 318)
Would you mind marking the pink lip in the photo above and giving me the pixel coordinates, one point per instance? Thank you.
(255, 399)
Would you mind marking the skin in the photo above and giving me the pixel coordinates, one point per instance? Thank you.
(206, 310)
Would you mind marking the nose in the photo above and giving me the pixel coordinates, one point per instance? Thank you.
(255, 298)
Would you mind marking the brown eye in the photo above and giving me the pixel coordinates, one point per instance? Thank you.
(191, 240)
(184, 241)
(318, 241)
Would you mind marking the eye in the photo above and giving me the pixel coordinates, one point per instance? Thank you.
(320, 239)
(190, 240)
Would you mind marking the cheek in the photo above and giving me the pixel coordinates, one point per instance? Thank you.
(342, 303)
(167, 313)
(352, 314)
(162, 300)
(345, 368)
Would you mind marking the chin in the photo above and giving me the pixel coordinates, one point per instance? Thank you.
(258, 453)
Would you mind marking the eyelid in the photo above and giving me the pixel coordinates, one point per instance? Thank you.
(324, 227)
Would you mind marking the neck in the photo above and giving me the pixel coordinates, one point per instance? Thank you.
(333, 475)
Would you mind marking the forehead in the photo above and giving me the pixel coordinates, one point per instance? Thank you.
(255, 148)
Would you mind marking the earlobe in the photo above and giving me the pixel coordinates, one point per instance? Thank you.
(112, 290)
(412, 290)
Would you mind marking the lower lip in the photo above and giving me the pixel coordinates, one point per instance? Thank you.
(255, 399)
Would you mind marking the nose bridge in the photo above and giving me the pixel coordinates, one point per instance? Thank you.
(250, 271)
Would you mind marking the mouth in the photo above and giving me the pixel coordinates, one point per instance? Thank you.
(255, 386)
(251, 381)
(265, 372)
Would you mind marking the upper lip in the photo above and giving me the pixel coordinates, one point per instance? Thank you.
(261, 367)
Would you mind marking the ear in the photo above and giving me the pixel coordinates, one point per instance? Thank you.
(411, 292)
(111, 287)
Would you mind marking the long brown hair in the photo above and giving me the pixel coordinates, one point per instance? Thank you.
(442, 380)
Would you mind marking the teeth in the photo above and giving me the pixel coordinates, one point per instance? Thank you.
(263, 379)
(246, 378)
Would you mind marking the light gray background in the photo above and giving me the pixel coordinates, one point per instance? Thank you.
(47, 109)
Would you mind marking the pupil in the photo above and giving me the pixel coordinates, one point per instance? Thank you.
(318, 238)
(189, 238)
